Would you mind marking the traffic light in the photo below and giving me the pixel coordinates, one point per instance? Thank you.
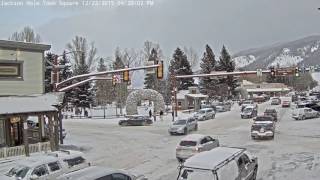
(160, 70)
(296, 71)
(114, 81)
(126, 76)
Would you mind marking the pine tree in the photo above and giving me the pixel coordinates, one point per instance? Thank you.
(151, 81)
(179, 65)
(120, 89)
(226, 64)
(47, 75)
(82, 96)
(208, 64)
(66, 73)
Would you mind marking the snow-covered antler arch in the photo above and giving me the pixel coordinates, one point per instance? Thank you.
(142, 94)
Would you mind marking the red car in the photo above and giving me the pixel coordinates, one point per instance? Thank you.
(286, 104)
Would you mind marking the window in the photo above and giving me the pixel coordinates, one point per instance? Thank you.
(188, 143)
(11, 70)
(40, 171)
(74, 161)
(108, 177)
(54, 166)
(179, 103)
(119, 176)
(204, 140)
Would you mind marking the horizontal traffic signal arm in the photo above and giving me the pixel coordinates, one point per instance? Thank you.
(104, 73)
(222, 74)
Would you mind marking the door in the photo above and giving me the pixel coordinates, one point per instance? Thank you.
(212, 143)
(204, 144)
(246, 167)
(40, 173)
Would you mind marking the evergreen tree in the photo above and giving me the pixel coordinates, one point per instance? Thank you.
(66, 73)
(150, 80)
(179, 65)
(47, 76)
(226, 64)
(208, 64)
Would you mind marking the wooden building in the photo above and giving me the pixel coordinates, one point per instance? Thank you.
(18, 131)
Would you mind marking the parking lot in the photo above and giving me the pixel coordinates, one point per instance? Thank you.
(293, 154)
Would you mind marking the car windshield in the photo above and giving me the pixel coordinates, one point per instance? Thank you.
(270, 111)
(188, 143)
(263, 118)
(180, 122)
(201, 112)
(247, 110)
(19, 171)
(259, 126)
(195, 174)
(247, 102)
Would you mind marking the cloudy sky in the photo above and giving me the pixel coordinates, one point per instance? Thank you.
(239, 24)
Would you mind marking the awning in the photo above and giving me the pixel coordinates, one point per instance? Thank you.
(30, 104)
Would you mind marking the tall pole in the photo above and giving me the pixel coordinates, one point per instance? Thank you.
(55, 73)
(175, 95)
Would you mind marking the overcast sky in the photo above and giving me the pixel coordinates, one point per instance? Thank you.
(239, 24)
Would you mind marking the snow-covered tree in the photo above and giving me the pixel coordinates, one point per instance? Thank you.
(227, 64)
(208, 64)
(180, 65)
(150, 80)
(47, 75)
(26, 35)
(104, 88)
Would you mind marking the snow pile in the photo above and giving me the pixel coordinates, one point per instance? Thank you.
(243, 61)
(314, 48)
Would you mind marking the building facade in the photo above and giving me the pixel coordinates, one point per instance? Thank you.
(22, 68)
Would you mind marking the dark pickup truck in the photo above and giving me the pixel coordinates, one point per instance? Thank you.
(271, 112)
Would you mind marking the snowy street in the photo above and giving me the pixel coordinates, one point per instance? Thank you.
(293, 154)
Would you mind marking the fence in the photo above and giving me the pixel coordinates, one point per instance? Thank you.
(19, 150)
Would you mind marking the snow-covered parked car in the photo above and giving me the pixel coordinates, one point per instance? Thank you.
(304, 113)
(136, 120)
(183, 126)
(204, 114)
(46, 166)
(193, 144)
(100, 173)
(223, 106)
(220, 163)
(263, 129)
(249, 112)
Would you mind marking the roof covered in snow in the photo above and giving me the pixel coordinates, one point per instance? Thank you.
(193, 137)
(268, 90)
(182, 93)
(197, 95)
(24, 45)
(30, 104)
(213, 158)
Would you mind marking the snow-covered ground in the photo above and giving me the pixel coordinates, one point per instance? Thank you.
(293, 154)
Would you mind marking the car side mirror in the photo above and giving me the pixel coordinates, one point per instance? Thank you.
(34, 177)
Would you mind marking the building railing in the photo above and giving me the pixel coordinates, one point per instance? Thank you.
(20, 150)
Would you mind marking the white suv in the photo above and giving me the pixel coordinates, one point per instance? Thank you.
(46, 166)
(204, 114)
(193, 144)
(305, 113)
(219, 164)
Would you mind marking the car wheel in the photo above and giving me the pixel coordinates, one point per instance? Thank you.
(241, 116)
(196, 128)
(303, 118)
(213, 116)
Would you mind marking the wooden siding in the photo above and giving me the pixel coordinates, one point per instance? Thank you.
(33, 73)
